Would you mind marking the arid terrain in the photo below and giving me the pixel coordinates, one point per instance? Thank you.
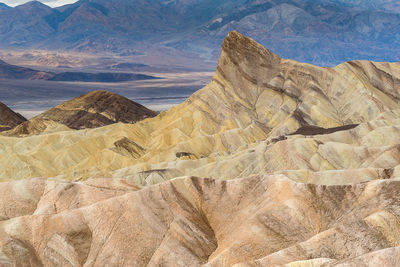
(272, 163)
(32, 97)
(32, 82)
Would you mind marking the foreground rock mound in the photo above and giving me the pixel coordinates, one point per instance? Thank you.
(8, 118)
(91, 110)
(257, 221)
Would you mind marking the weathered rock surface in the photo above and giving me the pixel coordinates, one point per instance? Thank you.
(91, 110)
(254, 97)
(8, 118)
(257, 221)
(317, 151)
(367, 152)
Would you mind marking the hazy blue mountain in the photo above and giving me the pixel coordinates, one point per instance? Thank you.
(4, 6)
(382, 5)
(9, 71)
(25, 25)
(322, 32)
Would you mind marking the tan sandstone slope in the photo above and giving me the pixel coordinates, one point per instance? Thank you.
(256, 221)
(254, 100)
(8, 118)
(91, 110)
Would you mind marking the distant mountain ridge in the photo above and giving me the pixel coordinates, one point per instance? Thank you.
(8, 71)
(4, 6)
(323, 32)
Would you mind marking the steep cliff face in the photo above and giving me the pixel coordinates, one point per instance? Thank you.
(8, 118)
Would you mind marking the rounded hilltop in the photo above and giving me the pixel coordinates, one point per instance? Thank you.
(97, 108)
(91, 110)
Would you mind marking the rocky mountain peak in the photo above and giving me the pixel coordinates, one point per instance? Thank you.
(119, 108)
(240, 48)
(94, 109)
(243, 61)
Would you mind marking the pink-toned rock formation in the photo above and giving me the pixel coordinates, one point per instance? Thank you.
(255, 221)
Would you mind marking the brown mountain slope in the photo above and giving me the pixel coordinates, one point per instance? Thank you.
(8, 118)
(91, 110)
(257, 221)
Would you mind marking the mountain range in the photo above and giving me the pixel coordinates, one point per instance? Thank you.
(324, 32)
(9, 71)
(273, 163)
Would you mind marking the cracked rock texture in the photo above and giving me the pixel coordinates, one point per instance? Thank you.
(256, 221)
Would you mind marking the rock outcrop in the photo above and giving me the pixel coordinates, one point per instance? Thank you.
(8, 118)
(91, 110)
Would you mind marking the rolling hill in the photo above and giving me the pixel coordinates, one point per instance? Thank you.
(91, 110)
